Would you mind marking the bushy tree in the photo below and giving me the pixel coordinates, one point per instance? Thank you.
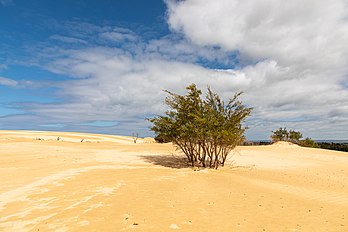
(206, 130)
(281, 134)
(294, 136)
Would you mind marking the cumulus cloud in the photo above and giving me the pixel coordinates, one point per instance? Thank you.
(173, 47)
(289, 32)
(295, 53)
(125, 83)
(113, 84)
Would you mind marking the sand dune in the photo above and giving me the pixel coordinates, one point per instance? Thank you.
(108, 183)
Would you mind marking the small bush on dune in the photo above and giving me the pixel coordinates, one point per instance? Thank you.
(282, 134)
(206, 130)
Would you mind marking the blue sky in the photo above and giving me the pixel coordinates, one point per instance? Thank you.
(100, 66)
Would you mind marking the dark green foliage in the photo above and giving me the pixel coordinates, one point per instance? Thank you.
(160, 139)
(256, 143)
(334, 146)
(280, 135)
(206, 130)
(294, 136)
(308, 142)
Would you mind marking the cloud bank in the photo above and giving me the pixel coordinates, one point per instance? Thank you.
(298, 49)
(290, 59)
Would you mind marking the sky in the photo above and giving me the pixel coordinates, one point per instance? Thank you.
(101, 66)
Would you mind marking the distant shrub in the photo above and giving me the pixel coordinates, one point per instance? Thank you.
(282, 134)
(308, 142)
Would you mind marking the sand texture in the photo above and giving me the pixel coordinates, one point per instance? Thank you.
(90, 182)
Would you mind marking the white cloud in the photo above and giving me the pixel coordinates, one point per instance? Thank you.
(295, 52)
(175, 48)
(289, 32)
(8, 82)
(115, 84)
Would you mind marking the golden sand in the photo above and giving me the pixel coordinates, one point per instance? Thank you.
(89, 182)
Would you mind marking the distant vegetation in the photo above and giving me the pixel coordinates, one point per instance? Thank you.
(282, 134)
(308, 142)
(334, 146)
(256, 143)
(206, 130)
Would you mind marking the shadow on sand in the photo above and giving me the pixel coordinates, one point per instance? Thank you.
(169, 161)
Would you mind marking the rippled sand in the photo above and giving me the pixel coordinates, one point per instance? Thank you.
(90, 182)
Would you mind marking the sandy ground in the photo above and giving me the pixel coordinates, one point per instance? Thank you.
(108, 183)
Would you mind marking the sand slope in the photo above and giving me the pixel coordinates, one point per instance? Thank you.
(108, 183)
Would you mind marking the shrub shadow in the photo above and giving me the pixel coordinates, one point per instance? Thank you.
(168, 161)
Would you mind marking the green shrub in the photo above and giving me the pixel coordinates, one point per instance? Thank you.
(206, 130)
(308, 142)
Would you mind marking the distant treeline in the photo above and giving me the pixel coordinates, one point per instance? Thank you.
(334, 146)
(322, 145)
(256, 143)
